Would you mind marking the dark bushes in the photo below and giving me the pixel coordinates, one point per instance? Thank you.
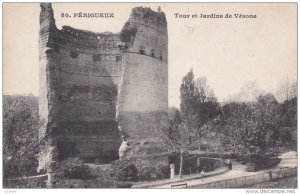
(123, 170)
(73, 168)
(190, 163)
(258, 163)
(133, 169)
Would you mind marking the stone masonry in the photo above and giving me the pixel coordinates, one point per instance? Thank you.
(102, 95)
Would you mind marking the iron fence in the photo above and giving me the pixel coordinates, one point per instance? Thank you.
(241, 182)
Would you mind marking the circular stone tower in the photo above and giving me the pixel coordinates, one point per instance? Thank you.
(143, 96)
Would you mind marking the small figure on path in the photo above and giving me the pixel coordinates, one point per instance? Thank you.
(202, 175)
(270, 175)
(230, 165)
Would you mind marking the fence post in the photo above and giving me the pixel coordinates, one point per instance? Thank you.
(172, 171)
(50, 179)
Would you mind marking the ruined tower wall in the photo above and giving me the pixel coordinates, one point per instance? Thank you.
(143, 99)
(90, 67)
(91, 84)
(143, 113)
(47, 87)
(79, 75)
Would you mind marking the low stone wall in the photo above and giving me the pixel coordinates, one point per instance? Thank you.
(177, 180)
(38, 181)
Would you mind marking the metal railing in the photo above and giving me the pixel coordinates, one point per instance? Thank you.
(37, 181)
(240, 182)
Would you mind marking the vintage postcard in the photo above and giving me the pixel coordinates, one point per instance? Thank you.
(150, 95)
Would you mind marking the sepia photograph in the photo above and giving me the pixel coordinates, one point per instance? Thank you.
(149, 96)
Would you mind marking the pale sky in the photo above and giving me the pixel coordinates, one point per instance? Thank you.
(229, 52)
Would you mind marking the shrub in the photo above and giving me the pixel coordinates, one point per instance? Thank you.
(73, 168)
(145, 170)
(124, 170)
(133, 169)
(259, 163)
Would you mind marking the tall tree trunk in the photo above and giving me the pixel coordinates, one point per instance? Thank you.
(180, 168)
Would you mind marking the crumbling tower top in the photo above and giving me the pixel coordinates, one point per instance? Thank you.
(146, 16)
(46, 14)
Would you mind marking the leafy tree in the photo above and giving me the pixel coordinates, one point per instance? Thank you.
(20, 135)
(198, 104)
(203, 92)
(232, 122)
(287, 94)
(288, 119)
(180, 139)
(252, 129)
(188, 97)
(207, 107)
(266, 112)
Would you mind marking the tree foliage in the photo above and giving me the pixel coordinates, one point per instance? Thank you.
(198, 102)
(198, 106)
(252, 129)
(288, 119)
(180, 139)
(253, 124)
(20, 135)
(187, 97)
